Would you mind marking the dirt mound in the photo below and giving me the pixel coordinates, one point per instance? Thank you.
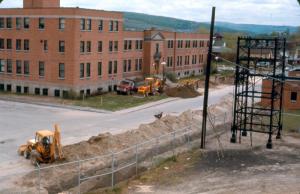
(184, 91)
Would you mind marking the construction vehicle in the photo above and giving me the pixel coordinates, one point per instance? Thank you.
(126, 86)
(45, 148)
(151, 87)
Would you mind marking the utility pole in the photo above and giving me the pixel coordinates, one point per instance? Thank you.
(207, 77)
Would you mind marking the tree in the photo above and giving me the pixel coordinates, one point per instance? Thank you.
(1, 1)
(299, 2)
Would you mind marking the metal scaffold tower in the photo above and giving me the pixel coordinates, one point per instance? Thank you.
(256, 108)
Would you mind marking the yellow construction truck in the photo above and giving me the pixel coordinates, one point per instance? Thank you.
(44, 148)
(151, 87)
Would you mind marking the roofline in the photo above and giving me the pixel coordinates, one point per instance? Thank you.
(72, 8)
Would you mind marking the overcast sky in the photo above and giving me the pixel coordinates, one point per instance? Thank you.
(273, 12)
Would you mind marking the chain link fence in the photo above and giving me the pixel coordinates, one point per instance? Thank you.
(107, 170)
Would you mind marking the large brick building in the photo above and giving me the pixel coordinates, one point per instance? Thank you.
(46, 49)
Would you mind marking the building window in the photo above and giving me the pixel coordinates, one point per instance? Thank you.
(99, 68)
(294, 96)
(170, 43)
(57, 93)
(8, 23)
(100, 46)
(61, 46)
(110, 67)
(26, 67)
(136, 64)
(88, 70)
(18, 23)
(116, 46)
(45, 45)
(62, 23)
(100, 25)
(82, 24)
(110, 48)
(127, 45)
(82, 46)
(180, 44)
(41, 23)
(61, 71)
(129, 66)
(2, 64)
(8, 87)
(9, 44)
(9, 66)
(125, 66)
(169, 61)
(89, 24)
(111, 26)
(18, 89)
(19, 67)
(45, 92)
(41, 68)
(18, 44)
(187, 44)
(1, 22)
(26, 23)
(2, 43)
(187, 60)
(26, 45)
(37, 91)
(26, 90)
(81, 70)
(116, 27)
(138, 44)
(115, 67)
(88, 46)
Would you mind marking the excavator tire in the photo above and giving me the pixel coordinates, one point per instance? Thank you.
(26, 154)
(34, 157)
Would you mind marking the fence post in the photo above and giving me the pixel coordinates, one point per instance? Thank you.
(79, 176)
(136, 160)
(39, 177)
(112, 169)
(173, 144)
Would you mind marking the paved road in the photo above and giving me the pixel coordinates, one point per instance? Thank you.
(19, 121)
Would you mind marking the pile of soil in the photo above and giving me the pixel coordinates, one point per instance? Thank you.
(184, 91)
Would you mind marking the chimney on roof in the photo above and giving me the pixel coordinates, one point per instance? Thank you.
(41, 3)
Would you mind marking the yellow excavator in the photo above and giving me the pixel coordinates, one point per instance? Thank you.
(151, 86)
(45, 148)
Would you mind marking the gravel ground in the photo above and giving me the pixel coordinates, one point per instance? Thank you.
(243, 169)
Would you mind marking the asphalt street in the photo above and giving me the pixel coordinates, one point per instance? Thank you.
(19, 121)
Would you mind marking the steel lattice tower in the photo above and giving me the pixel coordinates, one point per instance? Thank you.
(259, 59)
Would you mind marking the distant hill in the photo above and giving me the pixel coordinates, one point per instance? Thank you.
(138, 21)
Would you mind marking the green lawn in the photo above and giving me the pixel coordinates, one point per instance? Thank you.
(291, 123)
(115, 102)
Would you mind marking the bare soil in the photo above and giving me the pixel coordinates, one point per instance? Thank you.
(243, 169)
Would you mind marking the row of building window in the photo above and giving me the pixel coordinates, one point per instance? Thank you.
(195, 44)
(25, 23)
(186, 60)
(127, 65)
(9, 44)
(23, 68)
(85, 24)
(84, 46)
(26, 45)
